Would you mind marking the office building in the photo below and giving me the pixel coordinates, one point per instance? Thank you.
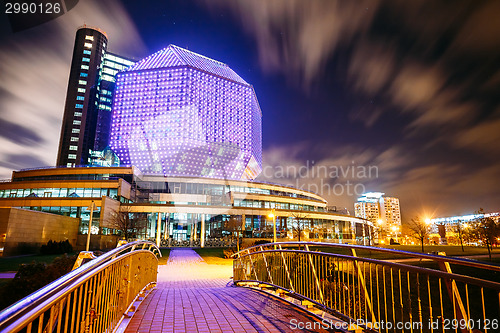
(178, 113)
(87, 112)
(376, 207)
(187, 130)
(178, 210)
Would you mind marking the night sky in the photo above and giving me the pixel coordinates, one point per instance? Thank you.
(408, 90)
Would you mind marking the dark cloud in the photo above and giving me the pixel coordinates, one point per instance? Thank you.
(432, 189)
(296, 37)
(34, 70)
(19, 134)
(20, 161)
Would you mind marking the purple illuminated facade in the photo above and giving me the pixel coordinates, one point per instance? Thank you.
(178, 113)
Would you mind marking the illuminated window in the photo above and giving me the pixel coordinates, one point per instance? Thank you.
(75, 130)
(74, 139)
(79, 106)
(77, 122)
(72, 156)
(85, 59)
(84, 67)
(87, 52)
(82, 82)
(80, 98)
(69, 165)
(89, 37)
(89, 45)
(78, 114)
(84, 74)
(81, 90)
(73, 147)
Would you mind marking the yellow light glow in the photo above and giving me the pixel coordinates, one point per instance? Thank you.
(380, 221)
(428, 220)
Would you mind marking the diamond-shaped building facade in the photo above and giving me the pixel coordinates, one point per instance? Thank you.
(178, 113)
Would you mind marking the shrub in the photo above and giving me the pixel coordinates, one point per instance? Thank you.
(31, 277)
(53, 247)
(229, 252)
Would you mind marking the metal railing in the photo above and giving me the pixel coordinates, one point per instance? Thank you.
(91, 298)
(378, 295)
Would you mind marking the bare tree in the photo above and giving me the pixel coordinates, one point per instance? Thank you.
(298, 228)
(460, 232)
(419, 230)
(234, 226)
(484, 229)
(127, 224)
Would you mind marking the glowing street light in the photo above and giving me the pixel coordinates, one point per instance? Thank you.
(273, 216)
(91, 207)
(395, 230)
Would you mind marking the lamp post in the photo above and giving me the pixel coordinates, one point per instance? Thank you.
(91, 207)
(273, 216)
(380, 222)
(395, 230)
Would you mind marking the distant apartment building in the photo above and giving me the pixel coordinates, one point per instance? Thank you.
(376, 207)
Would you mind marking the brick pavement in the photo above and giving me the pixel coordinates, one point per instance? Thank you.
(193, 296)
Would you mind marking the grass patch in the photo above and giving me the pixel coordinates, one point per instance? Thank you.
(214, 255)
(4, 281)
(11, 264)
(164, 256)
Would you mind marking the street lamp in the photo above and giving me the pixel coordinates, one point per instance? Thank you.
(273, 216)
(395, 230)
(91, 207)
(380, 222)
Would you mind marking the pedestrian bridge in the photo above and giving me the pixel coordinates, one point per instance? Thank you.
(282, 287)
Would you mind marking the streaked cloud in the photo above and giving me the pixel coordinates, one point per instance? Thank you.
(34, 79)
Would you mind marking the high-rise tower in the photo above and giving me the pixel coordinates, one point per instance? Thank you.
(80, 116)
(87, 112)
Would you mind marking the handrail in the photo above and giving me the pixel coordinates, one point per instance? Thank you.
(18, 315)
(415, 269)
(414, 255)
(375, 294)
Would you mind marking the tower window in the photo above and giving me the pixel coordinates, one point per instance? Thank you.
(86, 59)
(89, 37)
(89, 45)
(79, 106)
(87, 52)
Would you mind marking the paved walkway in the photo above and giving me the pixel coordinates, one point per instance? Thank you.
(193, 296)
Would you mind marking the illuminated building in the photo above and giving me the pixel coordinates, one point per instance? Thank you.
(178, 113)
(178, 210)
(187, 130)
(463, 218)
(374, 206)
(87, 111)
